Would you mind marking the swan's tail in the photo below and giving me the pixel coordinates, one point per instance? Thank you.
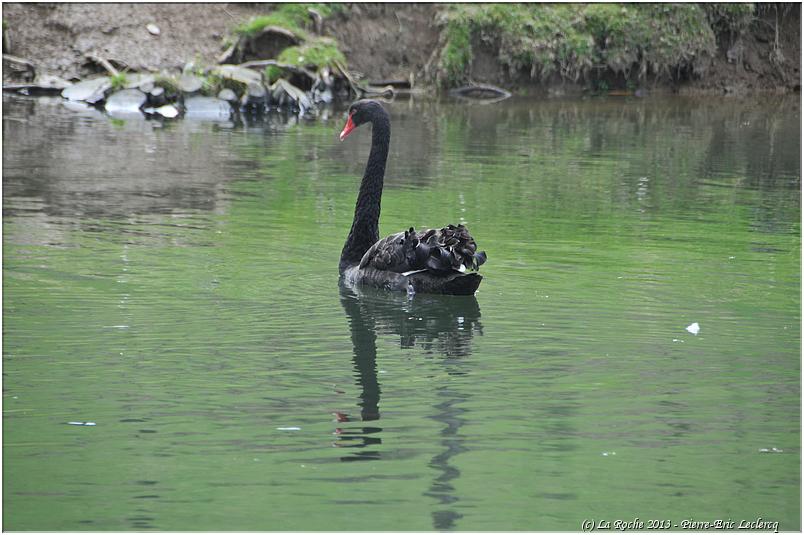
(446, 249)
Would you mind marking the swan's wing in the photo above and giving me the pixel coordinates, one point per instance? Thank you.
(447, 249)
(388, 254)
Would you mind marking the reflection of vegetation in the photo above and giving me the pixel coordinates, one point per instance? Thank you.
(222, 317)
(574, 41)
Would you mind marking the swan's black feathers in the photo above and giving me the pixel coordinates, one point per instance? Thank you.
(430, 260)
(443, 251)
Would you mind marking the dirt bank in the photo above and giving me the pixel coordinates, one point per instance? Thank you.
(380, 41)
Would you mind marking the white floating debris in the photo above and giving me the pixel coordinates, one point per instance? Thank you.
(694, 328)
(153, 29)
(167, 111)
(288, 428)
(677, 340)
(81, 423)
(607, 453)
(772, 450)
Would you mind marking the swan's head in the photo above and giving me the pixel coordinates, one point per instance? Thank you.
(362, 111)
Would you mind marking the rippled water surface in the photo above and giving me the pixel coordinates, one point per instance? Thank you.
(176, 285)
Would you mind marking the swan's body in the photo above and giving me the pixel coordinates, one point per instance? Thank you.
(427, 260)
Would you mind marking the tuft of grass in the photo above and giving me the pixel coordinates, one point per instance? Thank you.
(169, 83)
(729, 18)
(256, 24)
(321, 52)
(212, 84)
(292, 16)
(457, 54)
(576, 41)
(272, 73)
(118, 81)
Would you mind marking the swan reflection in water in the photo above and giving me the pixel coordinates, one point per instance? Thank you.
(438, 325)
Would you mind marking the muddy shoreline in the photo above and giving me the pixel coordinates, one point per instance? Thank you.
(381, 42)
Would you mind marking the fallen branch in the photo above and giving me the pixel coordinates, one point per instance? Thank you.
(227, 55)
(352, 84)
(318, 20)
(19, 61)
(103, 63)
(262, 63)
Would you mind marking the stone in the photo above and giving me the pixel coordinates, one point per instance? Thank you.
(153, 29)
(138, 80)
(284, 93)
(239, 74)
(92, 90)
(189, 83)
(228, 95)
(156, 96)
(209, 108)
(125, 102)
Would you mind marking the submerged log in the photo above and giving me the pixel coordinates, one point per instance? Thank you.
(485, 92)
(396, 84)
(385, 92)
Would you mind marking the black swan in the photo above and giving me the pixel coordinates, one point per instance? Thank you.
(428, 260)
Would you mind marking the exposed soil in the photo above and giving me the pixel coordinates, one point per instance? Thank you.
(381, 41)
(386, 41)
(753, 62)
(58, 38)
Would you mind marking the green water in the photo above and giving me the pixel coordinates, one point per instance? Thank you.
(177, 286)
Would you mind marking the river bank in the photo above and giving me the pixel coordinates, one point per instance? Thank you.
(436, 46)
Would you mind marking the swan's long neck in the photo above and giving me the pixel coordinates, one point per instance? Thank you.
(365, 227)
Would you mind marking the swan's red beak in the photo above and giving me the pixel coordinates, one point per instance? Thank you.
(347, 129)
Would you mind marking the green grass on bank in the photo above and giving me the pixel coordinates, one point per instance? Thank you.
(580, 41)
